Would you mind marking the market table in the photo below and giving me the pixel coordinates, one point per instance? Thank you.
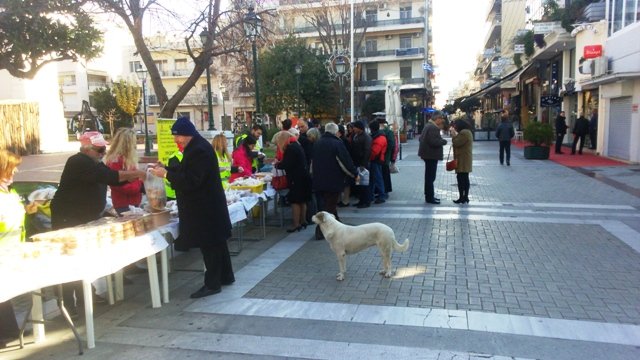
(23, 275)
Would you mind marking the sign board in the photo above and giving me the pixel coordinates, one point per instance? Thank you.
(545, 27)
(427, 67)
(166, 145)
(550, 100)
(518, 49)
(592, 51)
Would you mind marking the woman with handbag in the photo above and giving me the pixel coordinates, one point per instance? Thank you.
(462, 144)
(294, 163)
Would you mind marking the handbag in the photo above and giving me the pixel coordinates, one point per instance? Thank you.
(279, 180)
(451, 164)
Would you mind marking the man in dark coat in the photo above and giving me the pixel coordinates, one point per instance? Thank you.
(360, 153)
(580, 131)
(202, 206)
(388, 156)
(430, 150)
(331, 165)
(561, 130)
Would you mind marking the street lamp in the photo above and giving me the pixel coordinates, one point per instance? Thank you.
(204, 37)
(298, 72)
(224, 110)
(142, 75)
(341, 70)
(252, 28)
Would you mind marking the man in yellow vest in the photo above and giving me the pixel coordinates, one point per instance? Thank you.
(256, 132)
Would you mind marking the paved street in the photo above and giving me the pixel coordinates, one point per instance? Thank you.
(544, 263)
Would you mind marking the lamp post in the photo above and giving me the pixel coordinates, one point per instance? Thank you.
(298, 72)
(142, 75)
(341, 70)
(224, 110)
(252, 28)
(204, 37)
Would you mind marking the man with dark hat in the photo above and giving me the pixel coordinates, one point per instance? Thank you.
(202, 206)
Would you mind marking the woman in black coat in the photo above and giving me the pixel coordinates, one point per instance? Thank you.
(294, 163)
(202, 206)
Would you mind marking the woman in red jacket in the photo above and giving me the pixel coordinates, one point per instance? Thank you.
(122, 155)
(242, 157)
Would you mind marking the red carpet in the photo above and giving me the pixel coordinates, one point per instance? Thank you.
(587, 159)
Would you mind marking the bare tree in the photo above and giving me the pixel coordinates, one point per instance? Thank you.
(218, 26)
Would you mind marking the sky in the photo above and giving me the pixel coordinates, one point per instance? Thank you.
(459, 29)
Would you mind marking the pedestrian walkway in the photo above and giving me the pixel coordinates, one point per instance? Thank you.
(544, 263)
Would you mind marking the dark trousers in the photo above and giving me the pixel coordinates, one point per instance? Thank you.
(430, 169)
(327, 201)
(505, 147)
(386, 176)
(593, 137)
(575, 142)
(9, 329)
(217, 262)
(559, 138)
(376, 182)
(463, 185)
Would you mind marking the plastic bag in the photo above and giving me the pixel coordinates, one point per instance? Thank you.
(156, 194)
(363, 173)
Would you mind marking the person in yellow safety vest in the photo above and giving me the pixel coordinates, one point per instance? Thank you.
(11, 233)
(219, 143)
(256, 132)
(172, 161)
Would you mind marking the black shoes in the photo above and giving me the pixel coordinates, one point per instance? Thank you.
(379, 201)
(433, 201)
(204, 291)
(292, 230)
(341, 204)
(461, 201)
(362, 206)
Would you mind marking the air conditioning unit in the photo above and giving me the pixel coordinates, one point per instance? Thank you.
(600, 66)
(388, 37)
(382, 6)
(416, 35)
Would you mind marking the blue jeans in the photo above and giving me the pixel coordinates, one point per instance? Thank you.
(376, 182)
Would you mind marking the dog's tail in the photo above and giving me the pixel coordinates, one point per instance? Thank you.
(401, 247)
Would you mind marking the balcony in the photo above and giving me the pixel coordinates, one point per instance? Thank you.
(95, 85)
(369, 25)
(176, 73)
(393, 52)
(190, 99)
(370, 83)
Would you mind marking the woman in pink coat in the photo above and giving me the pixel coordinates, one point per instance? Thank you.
(242, 157)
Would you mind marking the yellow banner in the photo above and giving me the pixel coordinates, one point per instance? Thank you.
(166, 145)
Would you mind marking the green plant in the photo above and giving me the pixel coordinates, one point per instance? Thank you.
(538, 134)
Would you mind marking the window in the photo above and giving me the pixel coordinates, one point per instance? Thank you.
(372, 72)
(133, 65)
(181, 64)
(371, 45)
(68, 80)
(372, 16)
(405, 11)
(161, 65)
(405, 41)
(623, 13)
(184, 114)
(405, 69)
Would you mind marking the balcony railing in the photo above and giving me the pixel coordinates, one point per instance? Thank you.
(190, 99)
(384, 82)
(392, 52)
(362, 23)
(176, 72)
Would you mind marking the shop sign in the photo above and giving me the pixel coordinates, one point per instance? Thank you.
(550, 100)
(592, 51)
(546, 27)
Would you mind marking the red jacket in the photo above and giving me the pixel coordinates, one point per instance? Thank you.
(240, 157)
(378, 148)
(130, 193)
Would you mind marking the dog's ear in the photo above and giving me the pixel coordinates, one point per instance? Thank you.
(320, 216)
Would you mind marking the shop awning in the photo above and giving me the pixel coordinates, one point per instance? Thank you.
(514, 75)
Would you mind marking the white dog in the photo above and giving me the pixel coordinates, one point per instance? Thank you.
(345, 239)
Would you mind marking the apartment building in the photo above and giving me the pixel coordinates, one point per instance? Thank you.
(77, 80)
(396, 49)
(175, 66)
